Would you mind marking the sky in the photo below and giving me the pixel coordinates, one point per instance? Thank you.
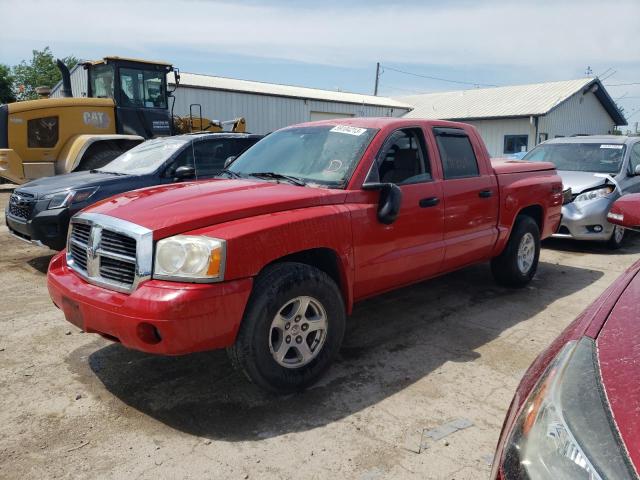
(335, 44)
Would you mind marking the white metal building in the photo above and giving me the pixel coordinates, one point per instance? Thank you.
(517, 118)
(265, 106)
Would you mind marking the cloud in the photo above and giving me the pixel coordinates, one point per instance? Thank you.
(337, 33)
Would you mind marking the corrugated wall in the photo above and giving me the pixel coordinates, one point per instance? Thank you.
(579, 114)
(78, 83)
(493, 132)
(266, 113)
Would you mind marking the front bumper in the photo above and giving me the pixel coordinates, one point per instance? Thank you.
(185, 317)
(46, 228)
(579, 220)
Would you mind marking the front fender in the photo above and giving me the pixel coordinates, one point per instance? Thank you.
(77, 145)
(254, 242)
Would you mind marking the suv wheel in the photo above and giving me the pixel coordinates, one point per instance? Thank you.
(292, 328)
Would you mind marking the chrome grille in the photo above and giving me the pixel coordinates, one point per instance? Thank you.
(116, 243)
(109, 252)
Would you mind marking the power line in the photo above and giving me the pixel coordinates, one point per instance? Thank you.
(438, 78)
(621, 84)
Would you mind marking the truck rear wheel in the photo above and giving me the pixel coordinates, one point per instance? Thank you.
(292, 328)
(517, 264)
(98, 159)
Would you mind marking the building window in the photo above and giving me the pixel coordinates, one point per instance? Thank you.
(516, 143)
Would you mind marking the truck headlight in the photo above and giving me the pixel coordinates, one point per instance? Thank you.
(595, 194)
(564, 429)
(67, 197)
(190, 258)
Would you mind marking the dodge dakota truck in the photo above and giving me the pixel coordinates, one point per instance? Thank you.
(268, 259)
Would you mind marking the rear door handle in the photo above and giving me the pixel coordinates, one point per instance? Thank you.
(485, 193)
(429, 202)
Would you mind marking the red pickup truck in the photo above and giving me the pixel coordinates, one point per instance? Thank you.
(268, 259)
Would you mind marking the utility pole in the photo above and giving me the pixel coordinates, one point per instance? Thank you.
(375, 90)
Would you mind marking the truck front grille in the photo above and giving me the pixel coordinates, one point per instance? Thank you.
(21, 205)
(109, 252)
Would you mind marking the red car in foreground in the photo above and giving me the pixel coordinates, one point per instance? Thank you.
(576, 412)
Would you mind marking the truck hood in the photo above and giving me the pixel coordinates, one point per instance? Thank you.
(75, 180)
(503, 166)
(182, 207)
(580, 181)
(619, 357)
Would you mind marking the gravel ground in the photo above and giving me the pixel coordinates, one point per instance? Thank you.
(74, 405)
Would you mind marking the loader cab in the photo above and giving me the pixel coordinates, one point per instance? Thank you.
(139, 91)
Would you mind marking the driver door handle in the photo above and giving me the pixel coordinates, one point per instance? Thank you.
(485, 193)
(429, 202)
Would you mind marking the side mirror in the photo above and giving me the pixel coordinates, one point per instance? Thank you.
(636, 171)
(184, 173)
(389, 202)
(229, 161)
(626, 211)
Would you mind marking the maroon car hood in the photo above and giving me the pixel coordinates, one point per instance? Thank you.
(619, 354)
(181, 207)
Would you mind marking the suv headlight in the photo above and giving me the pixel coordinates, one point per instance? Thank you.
(67, 197)
(595, 194)
(190, 258)
(564, 429)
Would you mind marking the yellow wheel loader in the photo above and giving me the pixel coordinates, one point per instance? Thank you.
(127, 102)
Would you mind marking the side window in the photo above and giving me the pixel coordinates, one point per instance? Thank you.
(184, 159)
(403, 159)
(210, 156)
(634, 159)
(456, 153)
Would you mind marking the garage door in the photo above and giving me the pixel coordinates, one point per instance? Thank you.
(315, 116)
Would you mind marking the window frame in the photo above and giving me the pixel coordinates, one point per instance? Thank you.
(509, 136)
(379, 158)
(455, 132)
(163, 87)
(634, 148)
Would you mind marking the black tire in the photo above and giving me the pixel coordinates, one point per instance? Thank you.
(505, 267)
(98, 159)
(615, 242)
(274, 289)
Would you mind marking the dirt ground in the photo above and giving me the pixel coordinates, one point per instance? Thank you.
(73, 405)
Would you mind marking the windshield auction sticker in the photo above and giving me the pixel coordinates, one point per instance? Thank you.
(614, 147)
(348, 130)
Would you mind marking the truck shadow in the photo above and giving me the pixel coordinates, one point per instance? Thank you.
(391, 342)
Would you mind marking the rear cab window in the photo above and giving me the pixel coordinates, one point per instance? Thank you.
(456, 153)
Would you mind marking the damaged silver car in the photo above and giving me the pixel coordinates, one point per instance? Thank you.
(595, 171)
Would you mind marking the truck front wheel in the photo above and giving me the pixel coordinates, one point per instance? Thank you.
(292, 328)
(517, 264)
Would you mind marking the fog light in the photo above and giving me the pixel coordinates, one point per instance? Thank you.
(148, 333)
(597, 228)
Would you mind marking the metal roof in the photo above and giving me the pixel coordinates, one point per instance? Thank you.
(274, 89)
(514, 101)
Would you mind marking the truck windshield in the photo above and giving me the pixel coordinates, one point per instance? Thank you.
(580, 157)
(145, 158)
(323, 154)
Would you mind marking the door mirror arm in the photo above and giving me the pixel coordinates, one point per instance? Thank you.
(389, 202)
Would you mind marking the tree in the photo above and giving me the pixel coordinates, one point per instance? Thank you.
(6, 85)
(40, 71)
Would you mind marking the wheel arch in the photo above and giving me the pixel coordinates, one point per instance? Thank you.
(79, 146)
(326, 260)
